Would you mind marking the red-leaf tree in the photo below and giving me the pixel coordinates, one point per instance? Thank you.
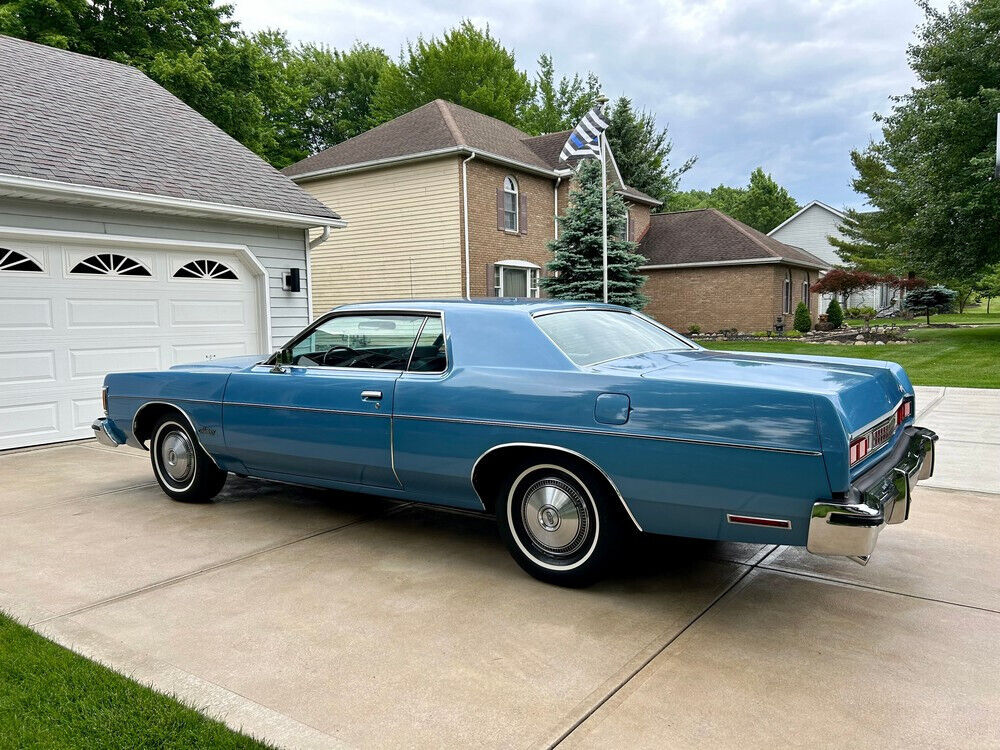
(845, 281)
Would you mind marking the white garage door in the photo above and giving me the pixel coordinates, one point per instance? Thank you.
(69, 314)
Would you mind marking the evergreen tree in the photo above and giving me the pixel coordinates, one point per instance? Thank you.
(834, 314)
(577, 255)
(803, 320)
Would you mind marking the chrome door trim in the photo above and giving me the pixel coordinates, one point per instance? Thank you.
(310, 409)
(554, 448)
(610, 433)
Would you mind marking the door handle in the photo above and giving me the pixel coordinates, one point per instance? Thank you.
(371, 395)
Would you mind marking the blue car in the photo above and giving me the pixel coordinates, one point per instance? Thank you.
(576, 424)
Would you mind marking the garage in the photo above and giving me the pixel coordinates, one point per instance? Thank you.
(134, 235)
(70, 313)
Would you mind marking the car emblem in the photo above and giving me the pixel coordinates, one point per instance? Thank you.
(900, 386)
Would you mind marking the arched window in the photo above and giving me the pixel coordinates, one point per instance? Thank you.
(110, 264)
(786, 294)
(205, 269)
(12, 260)
(805, 290)
(510, 202)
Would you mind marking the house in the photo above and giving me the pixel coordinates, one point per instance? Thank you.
(443, 202)
(134, 234)
(708, 270)
(810, 228)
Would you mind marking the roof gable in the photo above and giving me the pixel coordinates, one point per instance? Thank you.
(80, 120)
(707, 236)
(810, 205)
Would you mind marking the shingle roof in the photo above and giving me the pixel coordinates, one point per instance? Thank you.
(709, 236)
(87, 121)
(441, 125)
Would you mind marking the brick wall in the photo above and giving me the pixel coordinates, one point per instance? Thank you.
(488, 244)
(748, 298)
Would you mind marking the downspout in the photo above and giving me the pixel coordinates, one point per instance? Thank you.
(323, 237)
(465, 221)
(555, 217)
(310, 244)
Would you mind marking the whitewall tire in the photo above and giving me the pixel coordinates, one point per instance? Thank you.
(184, 471)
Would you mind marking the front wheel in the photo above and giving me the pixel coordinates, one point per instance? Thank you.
(559, 521)
(183, 469)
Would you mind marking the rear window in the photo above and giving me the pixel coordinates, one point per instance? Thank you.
(588, 337)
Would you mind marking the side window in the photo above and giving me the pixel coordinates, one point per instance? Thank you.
(374, 342)
(510, 204)
(429, 354)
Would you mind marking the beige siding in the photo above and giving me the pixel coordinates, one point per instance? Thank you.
(402, 238)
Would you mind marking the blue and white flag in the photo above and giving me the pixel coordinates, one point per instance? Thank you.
(584, 140)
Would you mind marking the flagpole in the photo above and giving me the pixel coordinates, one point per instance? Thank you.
(604, 213)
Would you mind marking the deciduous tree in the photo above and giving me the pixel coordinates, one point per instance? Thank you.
(558, 105)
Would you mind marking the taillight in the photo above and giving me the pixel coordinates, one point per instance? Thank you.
(859, 449)
(904, 412)
(104, 400)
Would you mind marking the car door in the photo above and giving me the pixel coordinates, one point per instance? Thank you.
(325, 409)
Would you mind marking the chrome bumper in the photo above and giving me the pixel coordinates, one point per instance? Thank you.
(880, 496)
(105, 433)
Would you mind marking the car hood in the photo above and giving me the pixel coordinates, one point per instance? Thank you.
(863, 389)
(229, 364)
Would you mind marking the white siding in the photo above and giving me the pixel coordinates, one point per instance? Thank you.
(277, 248)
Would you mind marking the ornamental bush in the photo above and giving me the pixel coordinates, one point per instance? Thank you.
(803, 320)
(834, 314)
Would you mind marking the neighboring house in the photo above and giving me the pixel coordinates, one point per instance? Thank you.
(443, 202)
(706, 269)
(810, 228)
(134, 234)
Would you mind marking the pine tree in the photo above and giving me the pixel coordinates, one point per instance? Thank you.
(577, 254)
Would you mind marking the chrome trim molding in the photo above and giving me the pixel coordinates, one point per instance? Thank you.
(346, 412)
(611, 433)
(862, 430)
(186, 416)
(544, 446)
(770, 523)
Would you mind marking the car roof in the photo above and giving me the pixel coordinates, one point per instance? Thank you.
(513, 305)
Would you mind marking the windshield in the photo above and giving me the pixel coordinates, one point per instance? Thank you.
(591, 336)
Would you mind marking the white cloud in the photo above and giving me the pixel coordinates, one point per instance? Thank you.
(789, 85)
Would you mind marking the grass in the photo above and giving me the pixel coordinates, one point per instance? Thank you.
(973, 314)
(967, 357)
(53, 698)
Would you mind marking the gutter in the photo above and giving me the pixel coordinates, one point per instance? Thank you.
(746, 262)
(465, 220)
(66, 190)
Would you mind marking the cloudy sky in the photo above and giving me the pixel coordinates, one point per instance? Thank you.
(789, 85)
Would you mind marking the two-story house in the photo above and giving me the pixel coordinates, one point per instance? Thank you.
(443, 202)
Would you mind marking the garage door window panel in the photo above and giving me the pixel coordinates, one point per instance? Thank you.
(203, 268)
(110, 264)
(12, 260)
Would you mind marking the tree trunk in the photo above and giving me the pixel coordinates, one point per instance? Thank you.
(928, 311)
(988, 305)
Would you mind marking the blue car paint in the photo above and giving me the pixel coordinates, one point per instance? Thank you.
(704, 433)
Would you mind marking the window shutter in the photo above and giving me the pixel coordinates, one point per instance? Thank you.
(522, 213)
(500, 209)
(631, 228)
(490, 275)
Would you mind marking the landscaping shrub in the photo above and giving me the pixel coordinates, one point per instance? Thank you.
(693, 329)
(803, 320)
(760, 334)
(794, 334)
(835, 314)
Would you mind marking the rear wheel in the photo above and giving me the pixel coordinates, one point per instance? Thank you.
(559, 521)
(184, 471)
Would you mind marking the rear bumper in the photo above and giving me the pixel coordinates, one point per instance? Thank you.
(880, 496)
(106, 433)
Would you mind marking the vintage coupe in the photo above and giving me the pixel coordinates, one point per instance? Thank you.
(573, 422)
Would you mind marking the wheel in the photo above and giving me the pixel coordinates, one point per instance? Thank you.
(183, 469)
(559, 521)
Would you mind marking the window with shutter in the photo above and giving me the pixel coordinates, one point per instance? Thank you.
(522, 218)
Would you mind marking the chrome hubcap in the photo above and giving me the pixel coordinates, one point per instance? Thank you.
(555, 516)
(177, 456)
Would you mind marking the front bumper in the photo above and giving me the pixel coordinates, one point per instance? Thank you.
(880, 496)
(106, 433)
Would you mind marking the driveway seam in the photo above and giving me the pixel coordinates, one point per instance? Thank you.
(213, 567)
(869, 587)
(57, 503)
(646, 662)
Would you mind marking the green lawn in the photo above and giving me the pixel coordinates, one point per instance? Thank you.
(972, 314)
(53, 698)
(943, 356)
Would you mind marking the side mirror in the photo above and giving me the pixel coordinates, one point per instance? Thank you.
(279, 358)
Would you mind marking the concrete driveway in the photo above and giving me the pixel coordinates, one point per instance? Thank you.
(318, 619)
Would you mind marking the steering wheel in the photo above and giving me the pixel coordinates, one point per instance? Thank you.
(336, 347)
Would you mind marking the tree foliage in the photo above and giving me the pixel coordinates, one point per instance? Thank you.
(988, 285)
(558, 105)
(467, 66)
(803, 320)
(931, 174)
(577, 255)
(845, 282)
(931, 300)
(834, 314)
(642, 150)
(763, 204)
